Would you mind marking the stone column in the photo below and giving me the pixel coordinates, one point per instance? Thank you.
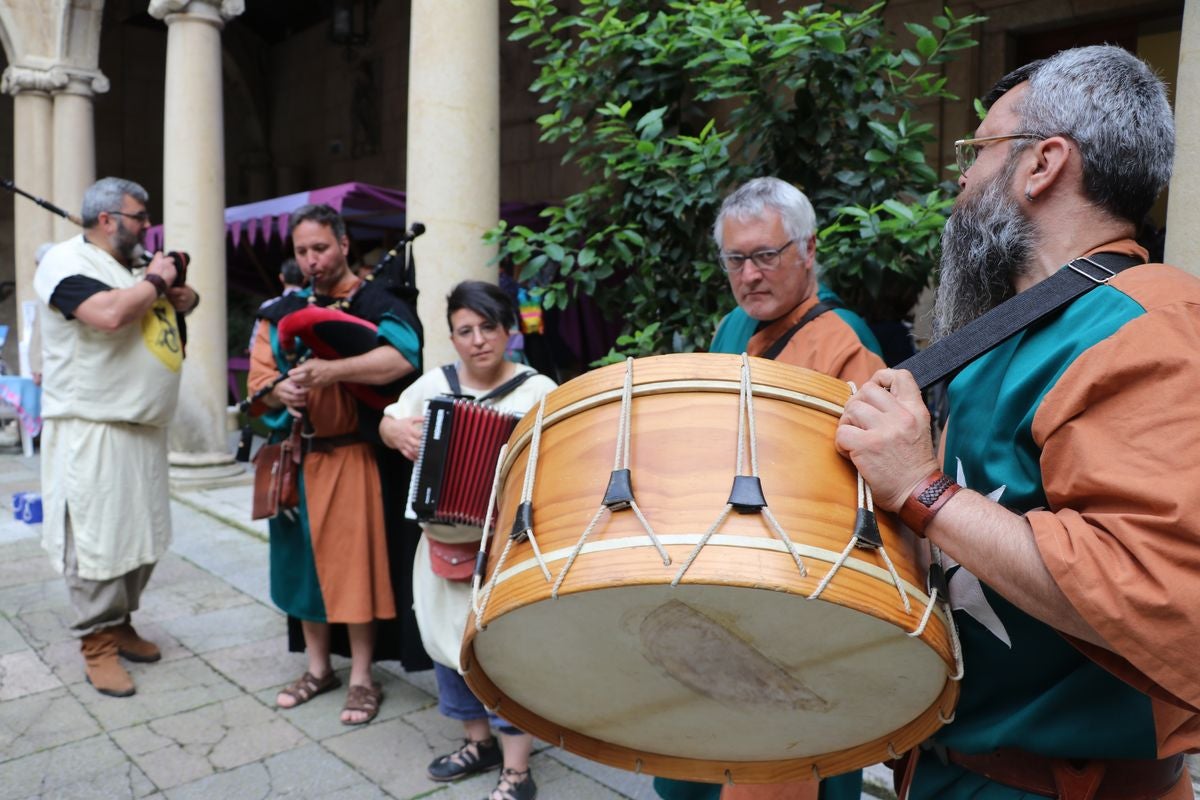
(33, 115)
(194, 221)
(74, 144)
(453, 172)
(1183, 206)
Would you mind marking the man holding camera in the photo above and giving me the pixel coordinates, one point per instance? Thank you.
(112, 353)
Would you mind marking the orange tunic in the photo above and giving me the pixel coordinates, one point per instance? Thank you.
(342, 501)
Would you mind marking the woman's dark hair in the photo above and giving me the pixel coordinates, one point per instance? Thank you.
(486, 299)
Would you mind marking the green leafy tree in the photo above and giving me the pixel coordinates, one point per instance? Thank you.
(666, 106)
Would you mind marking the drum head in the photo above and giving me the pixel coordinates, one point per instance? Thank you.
(782, 678)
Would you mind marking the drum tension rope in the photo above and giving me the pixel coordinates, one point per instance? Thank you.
(619, 494)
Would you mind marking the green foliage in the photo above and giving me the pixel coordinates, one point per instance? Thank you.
(666, 106)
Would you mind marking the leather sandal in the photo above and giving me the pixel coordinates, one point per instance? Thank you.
(470, 759)
(365, 699)
(307, 686)
(514, 784)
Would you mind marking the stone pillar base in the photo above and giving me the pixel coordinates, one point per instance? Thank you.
(206, 471)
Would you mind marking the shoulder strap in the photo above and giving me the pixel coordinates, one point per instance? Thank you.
(777, 346)
(452, 378)
(1014, 315)
(508, 386)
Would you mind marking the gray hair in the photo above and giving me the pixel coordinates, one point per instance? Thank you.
(107, 194)
(752, 198)
(1115, 108)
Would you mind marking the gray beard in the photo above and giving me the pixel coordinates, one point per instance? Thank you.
(987, 243)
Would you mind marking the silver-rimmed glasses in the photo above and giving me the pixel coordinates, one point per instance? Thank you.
(766, 259)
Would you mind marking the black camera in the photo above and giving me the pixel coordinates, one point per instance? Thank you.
(181, 260)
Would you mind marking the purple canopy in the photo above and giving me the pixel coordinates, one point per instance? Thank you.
(369, 211)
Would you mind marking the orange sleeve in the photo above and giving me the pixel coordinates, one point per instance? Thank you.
(262, 360)
(1120, 465)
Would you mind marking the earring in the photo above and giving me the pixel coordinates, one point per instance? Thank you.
(1028, 196)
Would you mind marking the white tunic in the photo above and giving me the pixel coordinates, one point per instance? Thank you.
(106, 402)
(442, 606)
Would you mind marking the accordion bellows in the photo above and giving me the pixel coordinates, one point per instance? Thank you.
(455, 468)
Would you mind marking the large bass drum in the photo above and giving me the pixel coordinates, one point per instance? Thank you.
(686, 579)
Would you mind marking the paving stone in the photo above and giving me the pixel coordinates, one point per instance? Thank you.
(312, 771)
(11, 640)
(25, 562)
(259, 665)
(163, 689)
(23, 673)
(215, 630)
(184, 747)
(320, 718)
(625, 783)
(39, 611)
(181, 589)
(36, 722)
(393, 755)
(93, 768)
(307, 773)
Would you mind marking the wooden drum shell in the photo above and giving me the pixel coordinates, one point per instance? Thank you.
(743, 588)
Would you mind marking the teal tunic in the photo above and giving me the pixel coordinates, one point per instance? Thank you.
(1026, 687)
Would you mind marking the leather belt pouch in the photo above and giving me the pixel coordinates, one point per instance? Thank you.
(454, 562)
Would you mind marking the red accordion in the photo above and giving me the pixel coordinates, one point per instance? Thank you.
(453, 474)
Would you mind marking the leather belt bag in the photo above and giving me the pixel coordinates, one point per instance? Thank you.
(277, 477)
(454, 562)
(1065, 779)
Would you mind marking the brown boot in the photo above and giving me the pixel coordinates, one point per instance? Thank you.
(133, 647)
(104, 671)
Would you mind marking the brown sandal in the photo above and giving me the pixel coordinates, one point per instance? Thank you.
(365, 699)
(307, 686)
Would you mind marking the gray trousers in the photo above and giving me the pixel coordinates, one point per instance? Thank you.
(101, 604)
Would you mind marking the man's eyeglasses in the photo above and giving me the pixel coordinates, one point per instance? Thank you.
(142, 216)
(967, 150)
(765, 260)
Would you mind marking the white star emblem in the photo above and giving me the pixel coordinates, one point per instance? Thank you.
(966, 592)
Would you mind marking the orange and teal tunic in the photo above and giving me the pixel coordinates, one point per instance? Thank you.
(1087, 423)
(341, 558)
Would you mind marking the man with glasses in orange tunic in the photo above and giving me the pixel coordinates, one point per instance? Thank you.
(766, 236)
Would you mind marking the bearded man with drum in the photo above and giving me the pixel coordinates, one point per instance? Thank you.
(1072, 555)
(766, 236)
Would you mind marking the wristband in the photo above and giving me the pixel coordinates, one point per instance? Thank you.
(157, 281)
(926, 501)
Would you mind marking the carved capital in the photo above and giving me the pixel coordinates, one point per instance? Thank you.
(228, 9)
(17, 79)
(85, 82)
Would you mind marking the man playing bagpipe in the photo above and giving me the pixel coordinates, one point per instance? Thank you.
(330, 358)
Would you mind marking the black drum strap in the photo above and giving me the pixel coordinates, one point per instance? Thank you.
(1014, 315)
(777, 346)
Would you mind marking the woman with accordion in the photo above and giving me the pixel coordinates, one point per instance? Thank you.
(480, 316)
